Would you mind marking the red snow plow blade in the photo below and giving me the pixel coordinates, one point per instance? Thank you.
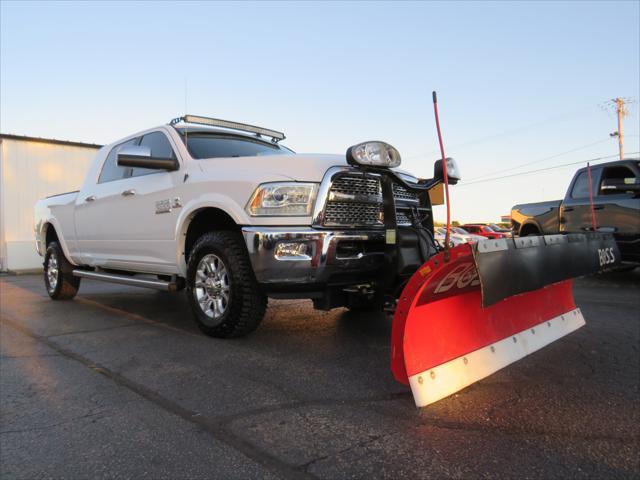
(491, 304)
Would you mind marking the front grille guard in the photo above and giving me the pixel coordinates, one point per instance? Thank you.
(404, 197)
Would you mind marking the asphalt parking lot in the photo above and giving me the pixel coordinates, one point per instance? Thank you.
(119, 383)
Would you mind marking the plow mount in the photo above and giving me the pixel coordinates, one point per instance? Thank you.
(491, 304)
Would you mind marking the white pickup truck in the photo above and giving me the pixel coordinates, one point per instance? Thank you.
(224, 210)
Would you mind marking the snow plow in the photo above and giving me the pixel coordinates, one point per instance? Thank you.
(471, 310)
(491, 304)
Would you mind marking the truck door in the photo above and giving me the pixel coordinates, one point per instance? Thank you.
(98, 224)
(618, 211)
(148, 206)
(575, 212)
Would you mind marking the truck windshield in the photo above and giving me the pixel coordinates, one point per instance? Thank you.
(207, 145)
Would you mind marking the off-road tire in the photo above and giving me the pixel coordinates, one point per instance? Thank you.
(247, 303)
(66, 285)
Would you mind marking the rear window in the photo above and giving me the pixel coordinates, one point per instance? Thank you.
(581, 186)
(221, 146)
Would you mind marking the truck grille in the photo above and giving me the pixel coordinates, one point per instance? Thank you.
(402, 218)
(352, 214)
(357, 185)
(402, 194)
(356, 201)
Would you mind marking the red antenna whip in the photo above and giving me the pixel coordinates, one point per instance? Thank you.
(446, 179)
(593, 211)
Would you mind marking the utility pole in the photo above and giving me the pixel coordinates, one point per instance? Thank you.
(621, 111)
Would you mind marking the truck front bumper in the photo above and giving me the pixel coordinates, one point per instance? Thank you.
(292, 257)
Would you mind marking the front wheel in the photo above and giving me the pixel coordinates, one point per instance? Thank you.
(222, 290)
(58, 274)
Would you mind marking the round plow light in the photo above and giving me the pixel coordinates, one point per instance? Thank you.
(373, 154)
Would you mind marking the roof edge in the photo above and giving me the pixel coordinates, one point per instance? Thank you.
(54, 141)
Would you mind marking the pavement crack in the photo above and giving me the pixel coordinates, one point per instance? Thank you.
(55, 425)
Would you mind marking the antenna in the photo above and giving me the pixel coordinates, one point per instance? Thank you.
(186, 132)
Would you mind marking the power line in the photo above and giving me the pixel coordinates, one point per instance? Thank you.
(541, 169)
(541, 160)
(513, 131)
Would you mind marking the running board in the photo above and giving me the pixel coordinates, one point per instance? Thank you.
(126, 280)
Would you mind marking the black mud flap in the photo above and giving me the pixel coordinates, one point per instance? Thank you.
(507, 267)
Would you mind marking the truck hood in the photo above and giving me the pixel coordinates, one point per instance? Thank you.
(301, 167)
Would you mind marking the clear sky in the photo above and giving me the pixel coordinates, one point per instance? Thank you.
(517, 82)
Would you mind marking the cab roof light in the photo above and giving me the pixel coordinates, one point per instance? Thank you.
(215, 122)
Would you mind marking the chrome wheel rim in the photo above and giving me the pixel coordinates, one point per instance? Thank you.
(52, 271)
(211, 289)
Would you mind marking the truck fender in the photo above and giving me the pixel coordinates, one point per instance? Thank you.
(531, 223)
(41, 238)
(191, 208)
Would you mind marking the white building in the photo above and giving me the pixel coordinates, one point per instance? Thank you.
(30, 169)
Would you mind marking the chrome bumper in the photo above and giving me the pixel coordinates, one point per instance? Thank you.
(322, 261)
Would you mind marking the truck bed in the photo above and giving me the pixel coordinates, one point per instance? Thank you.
(544, 214)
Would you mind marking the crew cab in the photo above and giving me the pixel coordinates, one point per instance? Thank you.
(227, 212)
(614, 192)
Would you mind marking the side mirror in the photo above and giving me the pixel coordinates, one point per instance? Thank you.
(453, 171)
(620, 185)
(140, 156)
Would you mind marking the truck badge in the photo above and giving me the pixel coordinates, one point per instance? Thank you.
(168, 204)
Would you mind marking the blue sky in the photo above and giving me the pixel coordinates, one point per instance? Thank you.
(517, 82)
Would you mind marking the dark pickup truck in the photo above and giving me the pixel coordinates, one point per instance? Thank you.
(616, 204)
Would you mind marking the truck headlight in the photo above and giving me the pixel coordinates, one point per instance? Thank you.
(283, 199)
(375, 154)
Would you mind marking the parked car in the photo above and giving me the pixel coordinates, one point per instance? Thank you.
(454, 239)
(483, 231)
(467, 236)
(616, 206)
(499, 229)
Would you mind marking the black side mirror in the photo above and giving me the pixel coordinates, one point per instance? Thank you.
(140, 156)
(453, 171)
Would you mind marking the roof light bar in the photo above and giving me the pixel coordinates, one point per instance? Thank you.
(215, 122)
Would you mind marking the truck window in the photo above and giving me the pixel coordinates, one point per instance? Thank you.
(620, 172)
(160, 147)
(204, 145)
(110, 169)
(581, 186)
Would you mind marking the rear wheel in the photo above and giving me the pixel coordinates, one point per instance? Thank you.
(222, 290)
(58, 274)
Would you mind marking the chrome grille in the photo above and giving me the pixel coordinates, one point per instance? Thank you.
(351, 214)
(357, 185)
(402, 194)
(355, 200)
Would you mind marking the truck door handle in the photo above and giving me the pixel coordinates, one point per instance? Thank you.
(598, 207)
(91, 198)
(568, 209)
(128, 193)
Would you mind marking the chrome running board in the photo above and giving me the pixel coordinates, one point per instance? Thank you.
(126, 280)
